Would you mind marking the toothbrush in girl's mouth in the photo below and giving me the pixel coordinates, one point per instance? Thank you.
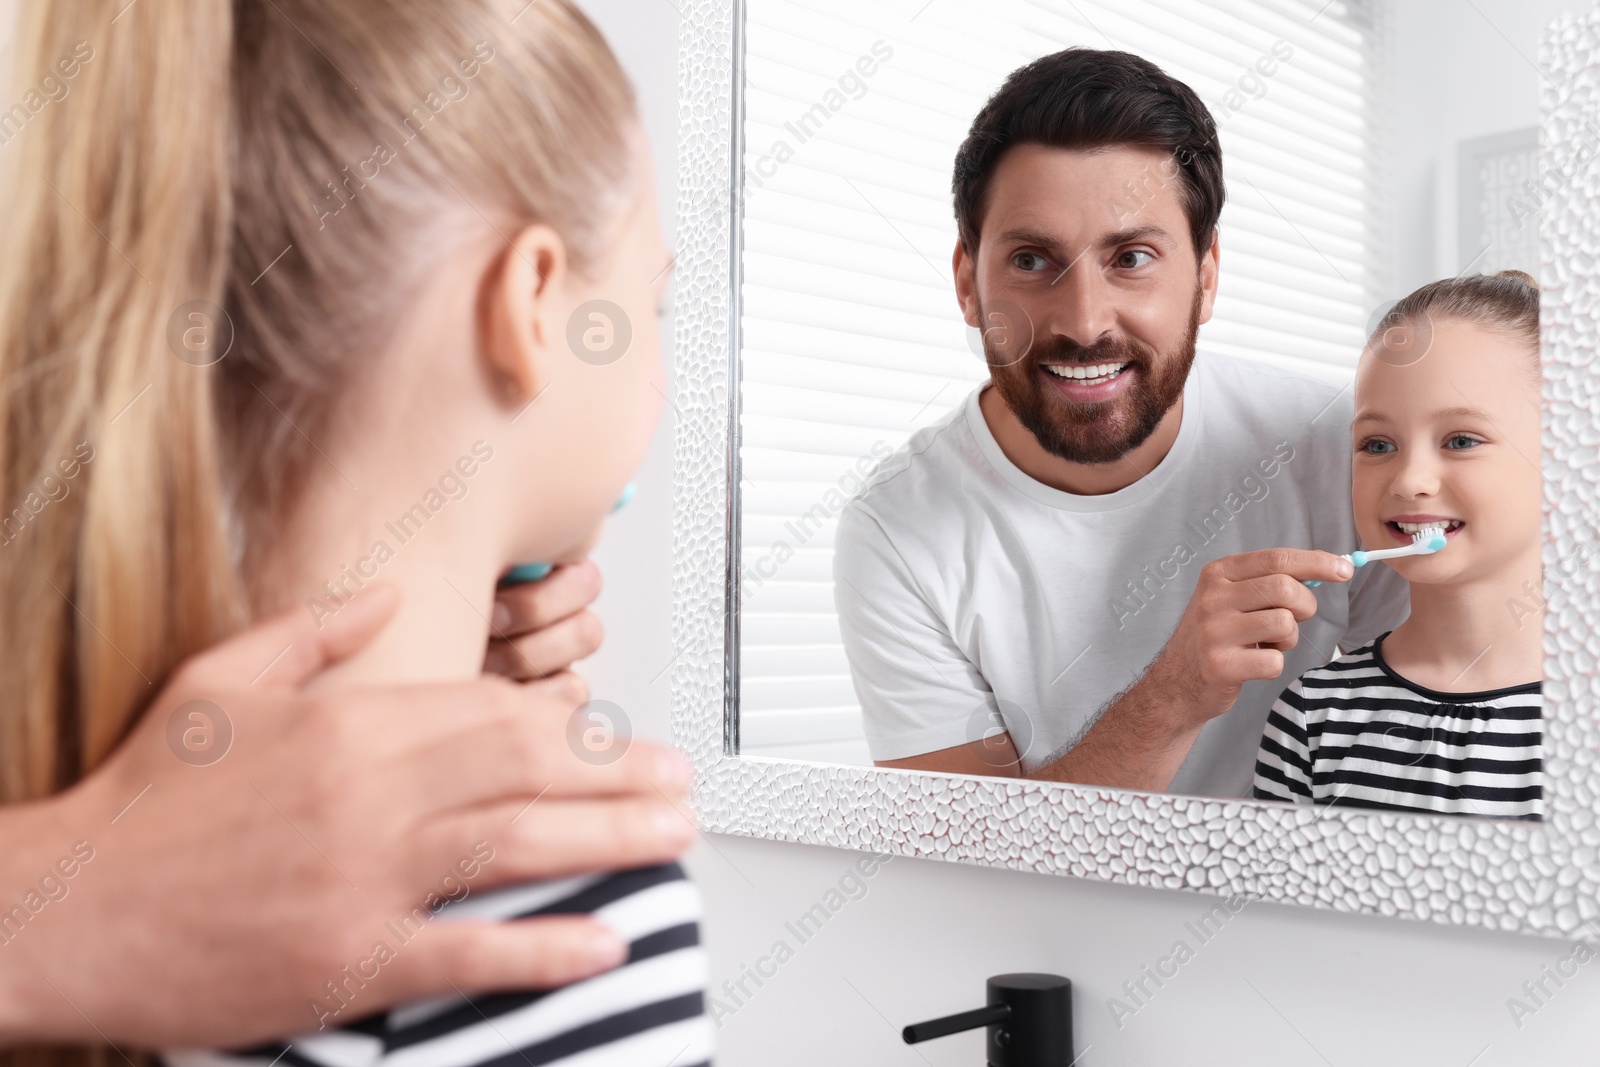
(1427, 540)
(523, 573)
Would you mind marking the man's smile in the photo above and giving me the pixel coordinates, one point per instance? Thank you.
(1088, 383)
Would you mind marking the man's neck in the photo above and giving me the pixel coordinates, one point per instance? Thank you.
(1080, 479)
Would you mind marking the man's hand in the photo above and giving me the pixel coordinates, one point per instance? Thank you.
(227, 886)
(542, 628)
(1244, 614)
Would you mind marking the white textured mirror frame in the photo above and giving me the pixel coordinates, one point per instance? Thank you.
(1527, 877)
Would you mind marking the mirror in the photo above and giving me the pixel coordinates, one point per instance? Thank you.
(944, 574)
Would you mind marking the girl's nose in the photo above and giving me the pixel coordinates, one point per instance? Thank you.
(1417, 475)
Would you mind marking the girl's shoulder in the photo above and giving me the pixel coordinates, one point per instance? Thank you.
(1348, 670)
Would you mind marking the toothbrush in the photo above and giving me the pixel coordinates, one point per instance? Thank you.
(1424, 542)
(523, 573)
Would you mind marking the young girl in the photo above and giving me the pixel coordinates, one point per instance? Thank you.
(1441, 714)
(339, 293)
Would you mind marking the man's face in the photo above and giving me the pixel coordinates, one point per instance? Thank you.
(1089, 294)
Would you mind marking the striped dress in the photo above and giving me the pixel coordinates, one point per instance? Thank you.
(648, 1012)
(1356, 734)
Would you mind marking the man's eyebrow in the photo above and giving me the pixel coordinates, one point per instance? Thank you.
(1110, 240)
(1029, 237)
(1137, 233)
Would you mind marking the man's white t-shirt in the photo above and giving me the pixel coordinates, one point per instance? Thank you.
(967, 589)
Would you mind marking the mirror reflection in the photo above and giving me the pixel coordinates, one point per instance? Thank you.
(1146, 395)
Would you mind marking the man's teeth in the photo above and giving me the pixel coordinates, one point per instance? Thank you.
(1439, 527)
(1089, 373)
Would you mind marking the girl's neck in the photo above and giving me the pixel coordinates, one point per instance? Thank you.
(443, 558)
(1474, 636)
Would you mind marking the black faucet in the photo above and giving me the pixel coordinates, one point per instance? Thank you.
(1029, 1019)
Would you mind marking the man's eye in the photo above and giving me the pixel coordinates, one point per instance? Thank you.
(1130, 260)
(1375, 447)
(1460, 442)
(1028, 261)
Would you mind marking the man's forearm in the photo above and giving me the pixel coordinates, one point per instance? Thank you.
(1139, 741)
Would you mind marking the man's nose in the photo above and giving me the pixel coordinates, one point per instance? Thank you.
(1079, 304)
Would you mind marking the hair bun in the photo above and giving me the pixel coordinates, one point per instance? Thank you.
(1522, 276)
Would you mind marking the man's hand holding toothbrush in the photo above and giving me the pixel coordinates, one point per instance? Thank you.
(1244, 613)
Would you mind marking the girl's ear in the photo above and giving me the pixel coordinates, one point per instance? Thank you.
(521, 308)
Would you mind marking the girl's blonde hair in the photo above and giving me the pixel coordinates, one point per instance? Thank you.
(209, 234)
(1507, 301)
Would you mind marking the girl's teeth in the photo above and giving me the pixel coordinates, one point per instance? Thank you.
(1415, 527)
(1091, 374)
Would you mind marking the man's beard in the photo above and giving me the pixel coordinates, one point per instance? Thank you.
(1106, 430)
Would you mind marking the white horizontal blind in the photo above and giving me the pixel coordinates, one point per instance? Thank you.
(852, 338)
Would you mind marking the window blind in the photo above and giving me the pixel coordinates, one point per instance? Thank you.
(851, 335)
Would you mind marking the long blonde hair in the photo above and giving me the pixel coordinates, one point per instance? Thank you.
(211, 221)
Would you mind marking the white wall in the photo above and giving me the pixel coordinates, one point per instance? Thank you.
(1277, 985)
(1458, 70)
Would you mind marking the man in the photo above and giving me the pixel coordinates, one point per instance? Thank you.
(1102, 551)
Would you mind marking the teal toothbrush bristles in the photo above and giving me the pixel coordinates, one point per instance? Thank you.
(523, 573)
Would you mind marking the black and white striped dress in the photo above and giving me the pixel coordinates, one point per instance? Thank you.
(648, 1012)
(1356, 734)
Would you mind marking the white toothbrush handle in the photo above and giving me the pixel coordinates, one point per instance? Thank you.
(1422, 544)
(1415, 548)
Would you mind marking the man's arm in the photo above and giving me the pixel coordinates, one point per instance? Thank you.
(1138, 742)
(1130, 746)
(995, 757)
(1244, 613)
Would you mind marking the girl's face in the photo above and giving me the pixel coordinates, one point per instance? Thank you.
(1452, 435)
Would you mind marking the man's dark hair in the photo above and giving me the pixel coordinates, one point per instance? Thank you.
(1086, 98)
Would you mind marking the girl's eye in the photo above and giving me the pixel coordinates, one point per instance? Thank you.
(1129, 260)
(1460, 442)
(1028, 261)
(1374, 447)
